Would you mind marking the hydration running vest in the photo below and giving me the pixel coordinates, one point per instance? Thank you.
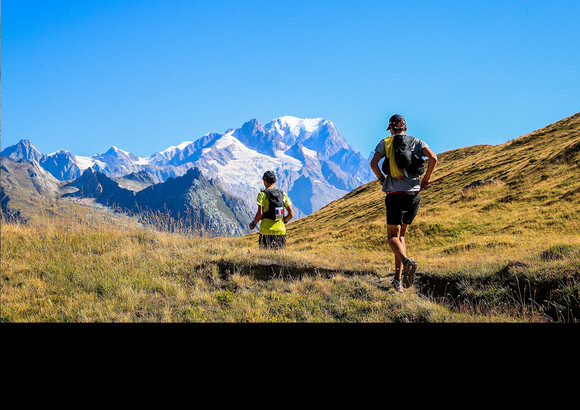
(275, 199)
(405, 159)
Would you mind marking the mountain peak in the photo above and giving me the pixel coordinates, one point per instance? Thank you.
(314, 133)
(115, 150)
(254, 136)
(23, 150)
(117, 153)
(62, 153)
(308, 124)
(26, 142)
(295, 125)
(88, 172)
(88, 185)
(252, 127)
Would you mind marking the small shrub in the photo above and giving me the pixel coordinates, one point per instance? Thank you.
(224, 297)
(559, 252)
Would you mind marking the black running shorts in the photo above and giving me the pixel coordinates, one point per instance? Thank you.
(402, 207)
(272, 241)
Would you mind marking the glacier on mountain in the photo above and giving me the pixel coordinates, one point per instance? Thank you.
(312, 160)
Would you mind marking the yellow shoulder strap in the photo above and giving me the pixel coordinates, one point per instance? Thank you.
(390, 154)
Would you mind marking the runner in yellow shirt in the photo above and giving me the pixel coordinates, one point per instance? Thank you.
(271, 203)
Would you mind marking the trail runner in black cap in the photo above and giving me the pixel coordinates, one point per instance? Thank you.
(402, 187)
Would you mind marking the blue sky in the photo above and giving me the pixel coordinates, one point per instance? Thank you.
(146, 74)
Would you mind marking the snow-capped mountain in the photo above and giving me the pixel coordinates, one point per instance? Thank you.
(316, 134)
(313, 162)
(298, 151)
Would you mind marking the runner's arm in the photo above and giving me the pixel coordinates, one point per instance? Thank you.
(432, 162)
(258, 217)
(290, 214)
(375, 167)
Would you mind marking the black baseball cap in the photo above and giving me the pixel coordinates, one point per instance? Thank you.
(269, 176)
(397, 121)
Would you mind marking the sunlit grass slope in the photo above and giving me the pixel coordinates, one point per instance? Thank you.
(530, 203)
(76, 264)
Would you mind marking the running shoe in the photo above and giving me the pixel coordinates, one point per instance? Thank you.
(408, 273)
(397, 285)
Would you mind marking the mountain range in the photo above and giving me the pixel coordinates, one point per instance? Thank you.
(190, 200)
(313, 162)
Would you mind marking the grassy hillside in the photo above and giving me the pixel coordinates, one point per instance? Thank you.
(78, 265)
(521, 224)
(530, 202)
(505, 251)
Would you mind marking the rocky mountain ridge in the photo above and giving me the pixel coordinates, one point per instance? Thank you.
(314, 163)
(190, 201)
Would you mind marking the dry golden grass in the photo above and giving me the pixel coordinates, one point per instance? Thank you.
(533, 206)
(78, 265)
